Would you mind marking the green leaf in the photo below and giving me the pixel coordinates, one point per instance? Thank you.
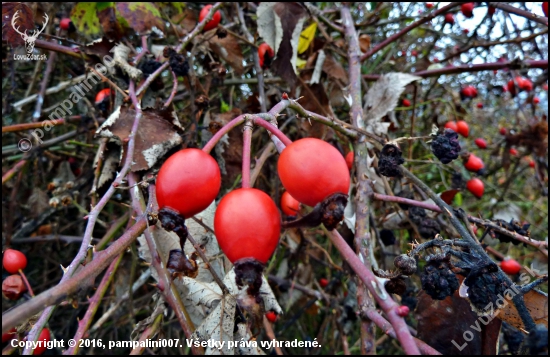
(140, 16)
(224, 107)
(84, 18)
(458, 199)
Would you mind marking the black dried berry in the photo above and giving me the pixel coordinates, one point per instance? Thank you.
(445, 146)
(396, 286)
(417, 214)
(149, 66)
(178, 62)
(387, 237)
(537, 341)
(390, 159)
(457, 181)
(221, 32)
(409, 298)
(438, 280)
(405, 264)
(486, 289)
(429, 228)
(513, 226)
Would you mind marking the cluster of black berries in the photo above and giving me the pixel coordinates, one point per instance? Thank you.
(390, 159)
(149, 66)
(438, 280)
(513, 337)
(427, 227)
(396, 286)
(178, 62)
(485, 287)
(457, 181)
(445, 146)
(513, 226)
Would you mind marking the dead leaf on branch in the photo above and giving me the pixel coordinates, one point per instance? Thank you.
(24, 21)
(229, 50)
(537, 305)
(218, 326)
(158, 132)
(382, 98)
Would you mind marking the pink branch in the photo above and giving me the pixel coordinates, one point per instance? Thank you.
(407, 29)
(14, 170)
(273, 129)
(542, 64)
(224, 130)
(247, 141)
(520, 12)
(174, 90)
(378, 291)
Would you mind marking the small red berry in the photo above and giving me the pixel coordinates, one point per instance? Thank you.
(289, 204)
(271, 316)
(503, 131)
(65, 23)
(481, 143)
(480, 105)
(247, 224)
(513, 152)
(474, 163)
(532, 164)
(13, 287)
(312, 169)
(468, 9)
(212, 24)
(414, 53)
(476, 187)
(14, 261)
(449, 18)
(536, 100)
(474, 228)
(10, 335)
(323, 282)
(469, 92)
(350, 156)
(463, 128)
(452, 125)
(406, 103)
(285, 96)
(429, 5)
(510, 266)
(102, 95)
(188, 182)
(545, 8)
(523, 84)
(403, 310)
(44, 337)
(266, 54)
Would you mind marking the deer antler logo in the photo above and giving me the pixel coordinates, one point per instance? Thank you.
(29, 40)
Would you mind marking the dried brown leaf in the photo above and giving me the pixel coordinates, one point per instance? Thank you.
(537, 304)
(24, 22)
(229, 50)
(334, 69)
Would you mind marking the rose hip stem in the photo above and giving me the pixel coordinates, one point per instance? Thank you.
(24, 277)
(247, 141)
(238, 121)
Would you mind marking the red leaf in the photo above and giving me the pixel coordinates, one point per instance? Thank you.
(448, 196)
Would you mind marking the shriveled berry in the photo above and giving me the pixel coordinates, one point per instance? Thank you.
(427, 227)
(445, 146)
(438, 280)
(485, 287)
(390, 159)
(405, 264)
(491, 10)
(396, 286)
(387, 237)
(13, 287)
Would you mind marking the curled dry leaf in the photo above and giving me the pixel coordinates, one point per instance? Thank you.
(159, 131)
(24, 21)
(121, 54)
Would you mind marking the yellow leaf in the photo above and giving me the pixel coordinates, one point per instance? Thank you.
(306, 37)
(300, 63)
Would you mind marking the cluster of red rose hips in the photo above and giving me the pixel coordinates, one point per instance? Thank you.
(14, 286)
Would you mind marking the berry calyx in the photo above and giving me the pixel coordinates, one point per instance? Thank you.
(102, 95)
(474, 163)
(350, 156)
(289, 204)
(266, 54)
(463, 128)
(476, 187)
(66, 24)
(481, 143)
(323, 282)
(247, 225)
(510, 266)
(44, 337)
(14, 261)
(271, 316)
(449, 18)
(403, 310)
(406, 103)
(311, 170)
(212, 24)
(451, 125)
(468, 9)
(514, 152)
(188, 182)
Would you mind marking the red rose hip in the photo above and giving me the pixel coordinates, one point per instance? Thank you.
(510, 266)
(266, 54)
(476, 187)
(474, 163)
(212, 24)
(14, 261)
(289, 205)
(247, 224)
(188, 182)
(452, 125)
(311, 170)
(463, 128)
(350, 156)
(271, 316)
